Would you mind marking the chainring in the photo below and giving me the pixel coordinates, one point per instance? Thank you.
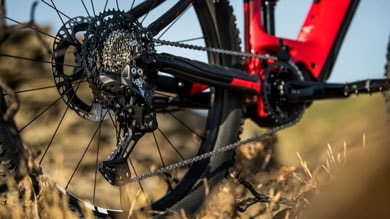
(278, 109)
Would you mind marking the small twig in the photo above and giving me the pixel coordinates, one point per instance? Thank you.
(245, 202)
(3, 25)
(9, 119)
(7, 30)
(14, 102)
(37, 29)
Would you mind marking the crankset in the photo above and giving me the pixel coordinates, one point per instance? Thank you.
(286, 92)
(286, 97)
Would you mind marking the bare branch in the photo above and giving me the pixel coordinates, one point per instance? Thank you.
(7, 30)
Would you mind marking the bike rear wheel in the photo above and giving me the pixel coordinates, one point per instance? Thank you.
(73, 141)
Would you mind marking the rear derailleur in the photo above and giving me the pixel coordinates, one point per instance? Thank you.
(134, 118)
(114, 53)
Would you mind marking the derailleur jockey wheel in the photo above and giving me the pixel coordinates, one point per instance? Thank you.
(279, 110)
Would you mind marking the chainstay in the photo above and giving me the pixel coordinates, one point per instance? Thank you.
(223, 149)
(215, 50)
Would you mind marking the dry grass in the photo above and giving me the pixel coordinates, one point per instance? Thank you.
(284, 192)
(22, 202)
(337, 188)
(341, 172)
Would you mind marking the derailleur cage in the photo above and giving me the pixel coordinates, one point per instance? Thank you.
(116, 172)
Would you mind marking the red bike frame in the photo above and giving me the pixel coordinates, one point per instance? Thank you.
(316, 47)
(305, 62)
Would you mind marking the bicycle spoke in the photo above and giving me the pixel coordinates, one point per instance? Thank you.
(191, 39)
(186, 126)
(31, 27)
(143, 8)
(44, 110)
(97, 161)
(184, 40)
(172, 23)
(38, 61)
(139, 183)
(159, 153)
(53, 136)
(166, 19)
(39, 114)
(132, 5)
(97, 165)
(93, 8)
(59, 13)
(85, 8)
(34, 89)
(171, 144)
(55, 132)
(117, 5)
(83, 155)
(56, 10)
(59, 16)
(105, 5)
(147, 13)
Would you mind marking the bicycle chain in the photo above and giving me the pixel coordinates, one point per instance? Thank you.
(216, 152)
(226, 148)
(215, 50)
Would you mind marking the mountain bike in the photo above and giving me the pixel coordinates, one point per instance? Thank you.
(148, 107)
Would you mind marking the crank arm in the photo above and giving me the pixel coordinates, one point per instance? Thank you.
(306, 91)
(208, 74)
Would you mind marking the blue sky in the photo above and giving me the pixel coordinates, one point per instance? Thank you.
(362, 54)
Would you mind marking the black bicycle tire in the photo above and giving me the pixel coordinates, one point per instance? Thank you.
(212, 16)
(230, 103)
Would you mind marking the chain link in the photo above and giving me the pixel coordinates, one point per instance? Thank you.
(215, 50)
